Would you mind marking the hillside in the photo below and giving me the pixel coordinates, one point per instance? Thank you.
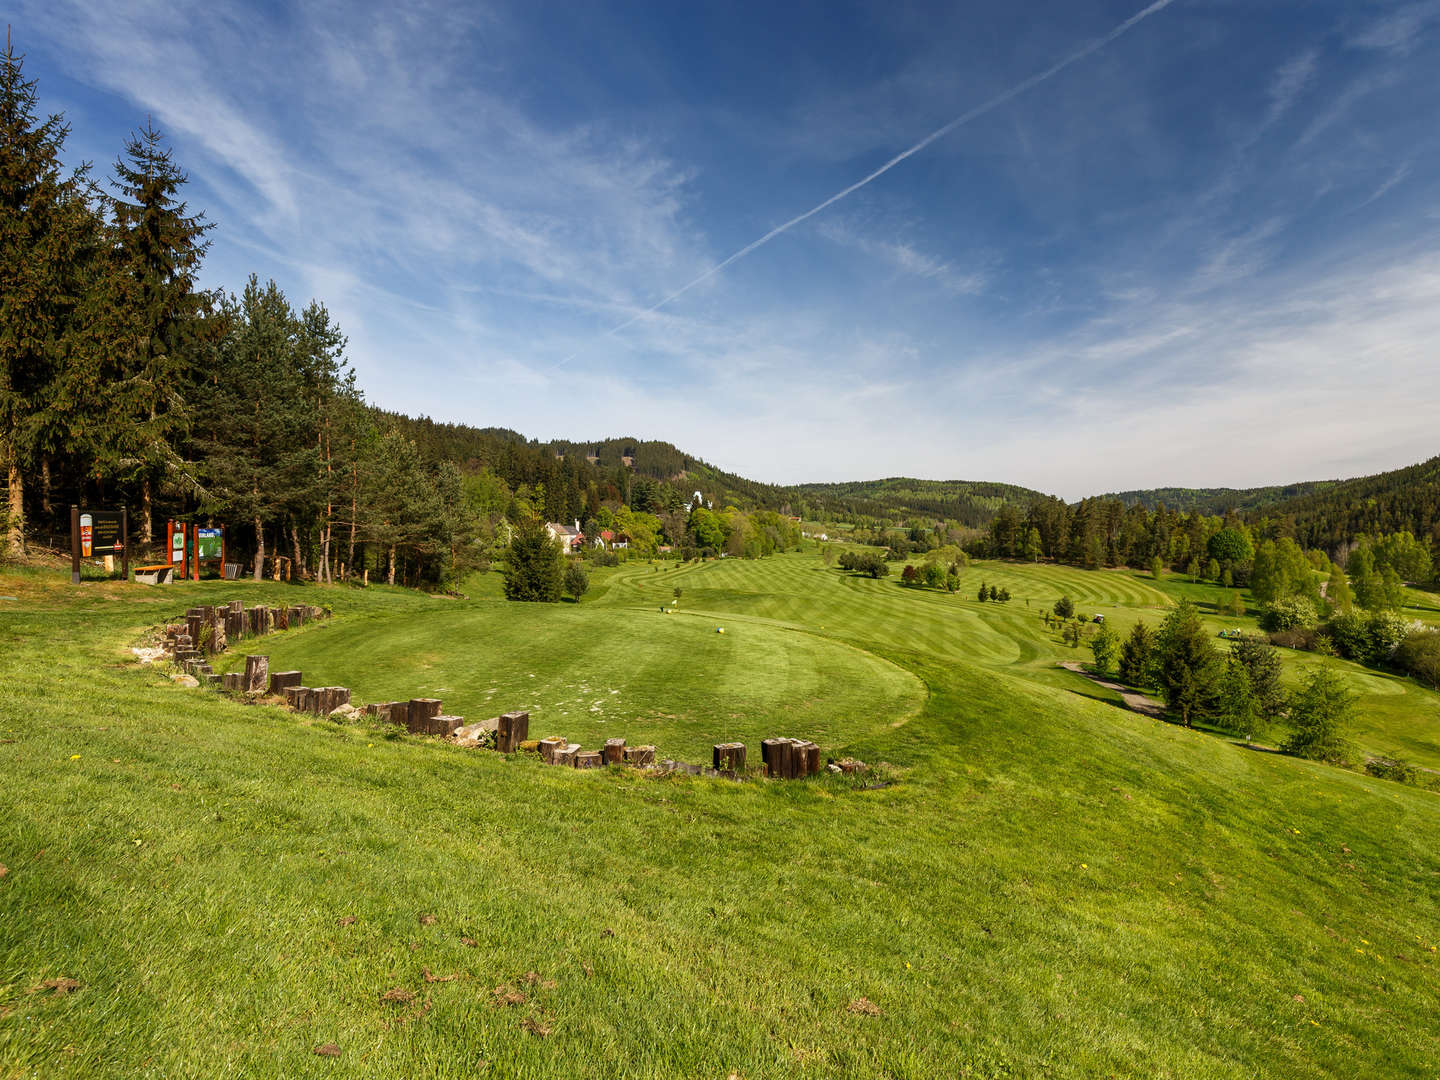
(971, 503)
(1044, 884)
(1217, 501)
(1402, 499)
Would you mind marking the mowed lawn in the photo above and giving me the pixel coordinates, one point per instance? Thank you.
(1052, 886)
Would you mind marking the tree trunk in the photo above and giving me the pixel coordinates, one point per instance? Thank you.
(354, 502)
(15, 533)
(295, 540)
(259, 547)
(146, 513)
(45, 507)
(391, 579)
(325, 572)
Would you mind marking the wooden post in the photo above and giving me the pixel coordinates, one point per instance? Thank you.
(549, 747)
(730, 756)
(770, 755)
(589, 759)
(512, 729)
(418, 714)
(812, 758)
(74, 544)
(566, 754)
(640, 755)
(446, 725)
(125, 540)
(280, 681)
(614, 751)
(257, 674)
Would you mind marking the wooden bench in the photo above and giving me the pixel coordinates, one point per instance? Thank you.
(160, 574)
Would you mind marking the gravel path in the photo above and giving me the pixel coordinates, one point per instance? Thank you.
(1140, 703)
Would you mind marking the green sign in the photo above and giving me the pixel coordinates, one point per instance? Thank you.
(209, 544)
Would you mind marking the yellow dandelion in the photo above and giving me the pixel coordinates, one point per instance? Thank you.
(74, 757)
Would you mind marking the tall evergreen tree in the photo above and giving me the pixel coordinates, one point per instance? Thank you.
(534, 565)
(45, 222)
(1188, 666)
(159, 248)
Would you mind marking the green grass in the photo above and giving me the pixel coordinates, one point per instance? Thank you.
(1053, 887)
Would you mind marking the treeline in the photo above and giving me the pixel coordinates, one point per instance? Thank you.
(1104, 532)
(121, 381)
(884, 503)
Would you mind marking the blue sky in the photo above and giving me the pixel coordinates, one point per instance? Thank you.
(1199, 246)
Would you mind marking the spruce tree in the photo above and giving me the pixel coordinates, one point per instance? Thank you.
(1137, 656)
(45, 223)
(534, 565)
(1187, 665)
(159, 249)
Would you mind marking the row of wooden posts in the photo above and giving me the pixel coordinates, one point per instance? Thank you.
(208, 630)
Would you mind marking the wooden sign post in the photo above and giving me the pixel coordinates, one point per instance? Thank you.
(98, 532)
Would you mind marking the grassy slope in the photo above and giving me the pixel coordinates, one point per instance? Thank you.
(1057, 887)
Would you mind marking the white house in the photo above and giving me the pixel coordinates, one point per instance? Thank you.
(565, 534)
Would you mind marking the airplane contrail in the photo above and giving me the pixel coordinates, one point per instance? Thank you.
(939, 133)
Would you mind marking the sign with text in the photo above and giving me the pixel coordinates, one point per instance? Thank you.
(209, 545)
(100, 533)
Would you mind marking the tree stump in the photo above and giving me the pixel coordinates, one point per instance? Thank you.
(549, 747)
(729, 756)
(295, 697)
(446, 725)
(812, 759)
(280, 681)
(589, 759)
(397, 712)
(418, 713)
(566, 754)
(232, 681)
(257, 674)
(513, 729)
(640, 755)
(614, 751)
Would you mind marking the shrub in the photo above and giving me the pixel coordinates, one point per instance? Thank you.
(1064, 607)
(1390, 769)
(1347, 630)
(1419, 656)
(1385, 631)
(1291, 613)
(577, 581)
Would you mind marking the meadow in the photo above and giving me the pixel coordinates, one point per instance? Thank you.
(1050, 885)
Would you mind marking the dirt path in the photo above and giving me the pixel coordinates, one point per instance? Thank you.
(1140, 703)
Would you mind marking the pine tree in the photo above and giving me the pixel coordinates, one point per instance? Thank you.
(534, 565)
(1137, 656)
(1321, 713)
(159, 248)
(45, 223)
(1187, 666)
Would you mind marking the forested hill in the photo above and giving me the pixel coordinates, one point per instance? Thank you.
(1218, 501)
(1402, 500)
(614, 463)
(970, 503)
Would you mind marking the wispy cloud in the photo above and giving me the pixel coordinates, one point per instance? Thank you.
(1397, 31)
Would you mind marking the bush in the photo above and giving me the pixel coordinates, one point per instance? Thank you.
(577, 581)
(864, 562)
(1390, 769)
(1064, 607)
(1291, 613)
(1419, 656)
(1386, 630)
(1347, 630)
